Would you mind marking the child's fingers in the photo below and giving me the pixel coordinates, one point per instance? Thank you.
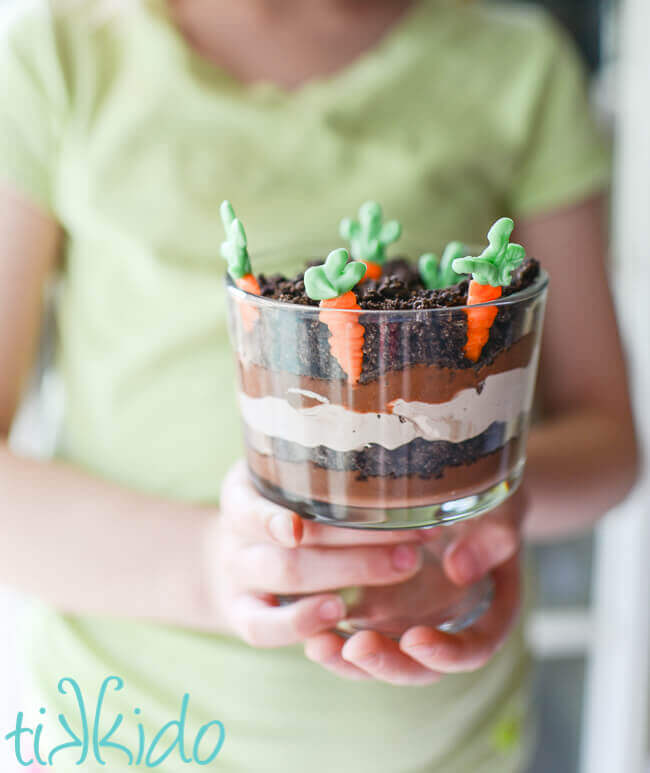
(325, 649)
(271, 569)
(261, 623)
(382, 659)
(470, 649)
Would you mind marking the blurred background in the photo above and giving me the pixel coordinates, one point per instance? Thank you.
(589, 632)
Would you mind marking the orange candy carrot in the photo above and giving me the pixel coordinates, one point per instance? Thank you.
(346, 342)
(479, 321)
(369, 236)
(249, 283)
(249, 314)
(332, 284)
(373, 270)
(490, 270)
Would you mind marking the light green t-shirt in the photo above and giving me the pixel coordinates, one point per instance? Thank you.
(463, 113)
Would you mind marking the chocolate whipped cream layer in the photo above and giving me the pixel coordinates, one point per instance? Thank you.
(292, 483)
(426, 383)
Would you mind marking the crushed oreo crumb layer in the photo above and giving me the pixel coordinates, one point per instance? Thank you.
(399, 289)
(299, 344)
(422, 458)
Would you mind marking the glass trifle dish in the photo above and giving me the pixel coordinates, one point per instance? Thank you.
(382, 393)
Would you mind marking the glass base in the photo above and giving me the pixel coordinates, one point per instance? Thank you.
(396, 518)
(428, 599)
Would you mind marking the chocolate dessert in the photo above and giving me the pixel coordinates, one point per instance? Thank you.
(364, 395)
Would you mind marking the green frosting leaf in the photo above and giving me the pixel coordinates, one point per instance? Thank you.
(369, 235)
(317, 285)
(494, 266)
(429, 267)
(235, 248)
(437, 274)
(334, 278)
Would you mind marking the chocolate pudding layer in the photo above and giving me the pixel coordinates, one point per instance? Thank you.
(425, 383)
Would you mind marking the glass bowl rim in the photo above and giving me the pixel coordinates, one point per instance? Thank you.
(528, 293)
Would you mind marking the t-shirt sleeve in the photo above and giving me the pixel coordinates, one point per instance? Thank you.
(566, 156)
(32, 104)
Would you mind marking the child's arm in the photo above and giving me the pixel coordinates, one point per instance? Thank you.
(582, 459)
(77, 542)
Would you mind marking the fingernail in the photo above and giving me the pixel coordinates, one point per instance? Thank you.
(405, 557)
(281, 529)
(466, 565)
(332, 609)
(432, 651)
(368, 659)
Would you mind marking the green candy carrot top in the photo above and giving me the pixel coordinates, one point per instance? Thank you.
(235, 250)
(490, 271)
(437, 274)
(332, 284)
(369, 237)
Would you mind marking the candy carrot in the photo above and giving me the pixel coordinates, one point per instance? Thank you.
(373, 270)
(346, 343)
(490, 271)
(437, 274)
(369, 237)
(479, 321)
(248, 283)
(235, 250)
(332, 284)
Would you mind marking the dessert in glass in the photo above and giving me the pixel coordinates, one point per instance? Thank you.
(390, 394)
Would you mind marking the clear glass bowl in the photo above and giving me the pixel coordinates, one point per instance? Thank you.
(423, 438)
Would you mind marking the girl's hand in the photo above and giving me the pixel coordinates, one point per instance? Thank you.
(258, 550)
(423, 655)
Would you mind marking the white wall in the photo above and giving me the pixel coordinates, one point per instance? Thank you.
(617, 706)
